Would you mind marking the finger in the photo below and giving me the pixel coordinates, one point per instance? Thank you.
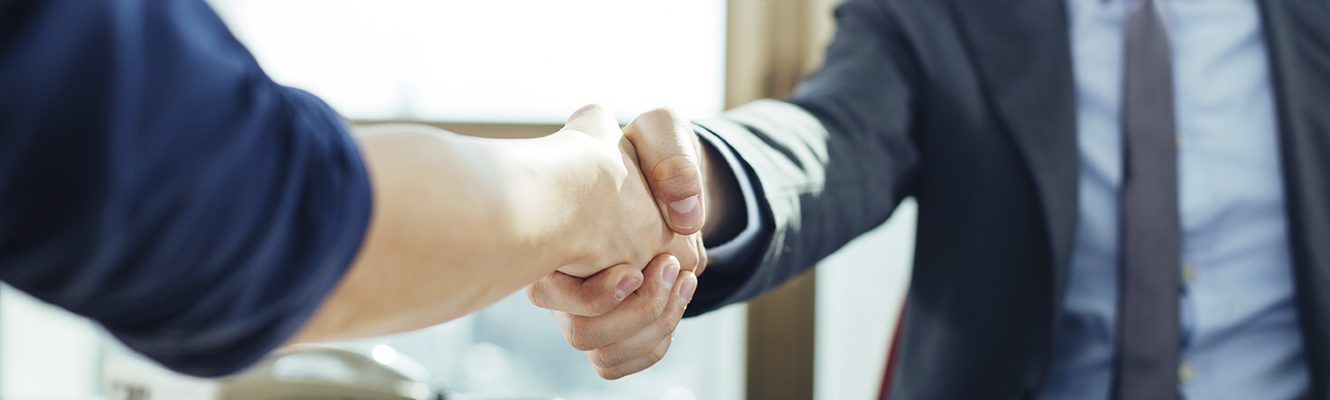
(639, 310)
(689, 250)
(636, 365)
(596, 121)
(667, 150)
(644, 341)
(595, 295)
(702, 259)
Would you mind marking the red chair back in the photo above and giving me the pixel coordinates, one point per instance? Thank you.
(891, 356)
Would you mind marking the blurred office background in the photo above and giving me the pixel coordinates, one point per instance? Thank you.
(518, 68)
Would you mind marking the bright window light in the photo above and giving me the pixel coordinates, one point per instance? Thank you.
(513, 61)
(532, 61)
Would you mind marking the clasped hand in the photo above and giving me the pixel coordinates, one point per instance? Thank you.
(647, 231)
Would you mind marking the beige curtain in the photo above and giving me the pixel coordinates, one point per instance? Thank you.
(771, 45)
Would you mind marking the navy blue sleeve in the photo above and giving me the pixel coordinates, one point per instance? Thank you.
(733, 262)
(154, 179)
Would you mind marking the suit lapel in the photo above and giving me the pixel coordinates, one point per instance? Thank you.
(1023, 54)
(1297, 36)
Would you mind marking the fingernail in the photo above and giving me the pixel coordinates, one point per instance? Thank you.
(686, 213)
(689, 286)
(625, 286)
(671, 272)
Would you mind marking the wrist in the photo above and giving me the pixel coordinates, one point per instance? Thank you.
(553, 186)
(725, 215)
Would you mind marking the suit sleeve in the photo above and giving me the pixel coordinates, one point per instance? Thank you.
(154, 179)
(831, 162)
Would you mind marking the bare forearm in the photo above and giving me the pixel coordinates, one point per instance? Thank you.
(458, 223)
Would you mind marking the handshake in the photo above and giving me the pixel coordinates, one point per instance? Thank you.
(622, 300)
(602, 225)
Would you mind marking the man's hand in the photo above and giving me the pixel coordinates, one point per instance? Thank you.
(620, 338)
(623, 334)
(460, 222)
(625, 226)
(683, 172)
(670, 155)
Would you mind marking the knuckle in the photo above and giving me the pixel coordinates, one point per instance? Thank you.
(663, 112)
(608, 373)
(701, 253)
(595, 298)
(564, 319)
(579, 341)
(593, 107)
(605, 358)
(598, 358)
(600, 305)
(665, 327)
(652, 310)
(582, 341)
(687, 250)
(679, 175)
(579, 336)
(661, 120)
(670, 114)
(656, 354)
(538, 297)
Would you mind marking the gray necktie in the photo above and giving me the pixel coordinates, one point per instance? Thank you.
(1147, 364)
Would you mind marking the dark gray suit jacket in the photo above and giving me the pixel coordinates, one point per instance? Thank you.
(968, 105)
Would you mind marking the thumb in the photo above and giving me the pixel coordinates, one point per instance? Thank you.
(667, 149)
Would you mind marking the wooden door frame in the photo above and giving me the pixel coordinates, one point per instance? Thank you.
(770, 46)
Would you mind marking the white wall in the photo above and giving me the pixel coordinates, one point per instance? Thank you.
(859, 294)
(46, 353)
(490, 61)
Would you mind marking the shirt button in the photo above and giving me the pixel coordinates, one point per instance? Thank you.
(1181, 141)
(1189, 272)
(1186, 372)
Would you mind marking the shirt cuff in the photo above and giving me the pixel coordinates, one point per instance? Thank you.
(734, 250)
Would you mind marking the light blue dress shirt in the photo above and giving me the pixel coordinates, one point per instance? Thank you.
(1240, 334)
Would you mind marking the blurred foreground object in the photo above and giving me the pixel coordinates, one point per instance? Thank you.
(318, 371)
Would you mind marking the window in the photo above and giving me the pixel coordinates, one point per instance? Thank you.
(513, 61)
(493, 61)
(523, 61)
